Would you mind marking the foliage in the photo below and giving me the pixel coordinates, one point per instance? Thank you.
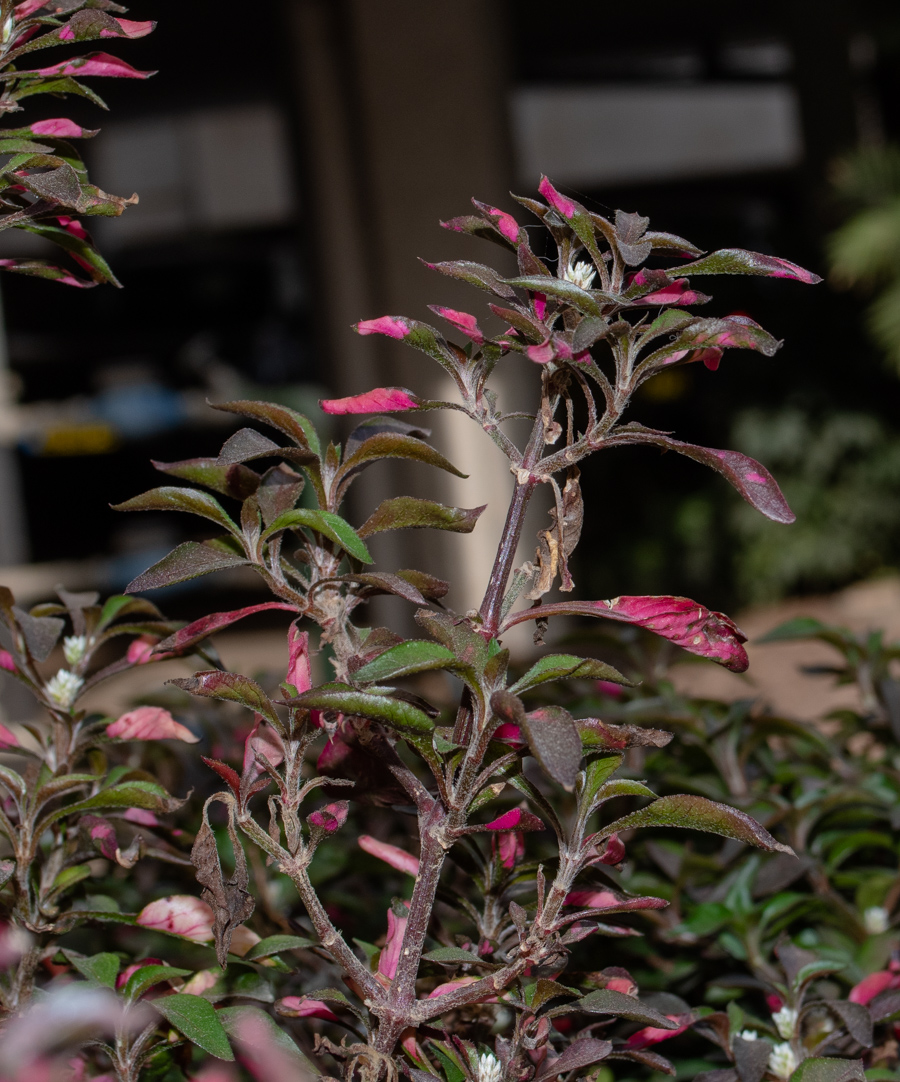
(520, 819)
(865, 250)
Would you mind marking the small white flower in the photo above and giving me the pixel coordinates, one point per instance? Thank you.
(581, 274)
(63, 688)
(785, 1020)
(489, 1068)
(74, 647)
(748, 1035)
(782, 1061)
(876, 919)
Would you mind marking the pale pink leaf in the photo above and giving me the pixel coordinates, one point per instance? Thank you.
(266, 743)
(390, 854)
(6, 661)
(94, 64)
(389, 958)
(142, 817)
(150, 723)
(299, 672)
(305, 1007)
(7, 739)
(182, 914)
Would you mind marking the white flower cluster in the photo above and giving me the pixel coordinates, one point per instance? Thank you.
(489, 1068)
(580, 274)
(785, 1020)
(74, 647)
(876, 919)
(782, 1061)
(63, 688)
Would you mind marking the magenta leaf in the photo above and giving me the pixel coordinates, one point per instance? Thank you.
(678, 619)
(580, 1053)
(150, 723)
(737, 261)
(299, 673)
(228, 774)
(390, 854)
(654, 1034)
(418, 335)
(462, 321)
(733, 332)
(330, 818)
(514, 819)
(93, 64)
(305, 1007)
(380, 400)
(754, 482)
(7, 739)
(61, 128)
(397, 918)
(208, 625)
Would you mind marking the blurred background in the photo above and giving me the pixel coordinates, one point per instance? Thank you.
(293, 161)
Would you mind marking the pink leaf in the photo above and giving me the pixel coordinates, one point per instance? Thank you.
(511, 848)
(873, 985)
(389, 958)
(93, 64)
(514, 819)
(392, 326)
(330, 818)
(539, 302)
(299, 672)
(460, 982)
(614, 852)
(305, 1007)
(122, 978)
(59, 127)
(506, 223)
(509, 734)
(379, 400)
(654, 1034)
(462, 321)
(182, 914)
(207, 625)
(559, 202)
(542, 354)
(677, 292)
(7, 739)
(28, 7)
(103, 835)
(679, 619)
(390, 854)
(130, 29)
(142, 817)
(150, 723)
(265, 743)
(6, 661)
(592, 899)
(140, 650)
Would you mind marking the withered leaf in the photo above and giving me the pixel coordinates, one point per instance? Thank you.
(229, 899)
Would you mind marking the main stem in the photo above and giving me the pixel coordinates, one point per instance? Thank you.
(437, 826)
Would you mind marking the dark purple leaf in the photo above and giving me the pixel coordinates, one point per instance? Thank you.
(751, 1058)
(293, 424)
(580, 1053)
(608, 1001)
(409, 513)
(395, 445)
(171, 498)
(188, 561)
(232, 687)
(236, 481)
(41, 633)
(554, 741)
(475, 274)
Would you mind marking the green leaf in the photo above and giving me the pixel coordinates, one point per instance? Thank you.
(173, 498)
(596, 774)
(147, 976)
(235, 480)
(196, 1019)
(275, 944)
(262, 1032)
(131, 794)
(607, 1001)
(348, 700)
(698, 813)
(829, 1070)
(565, 667)
(102, 968)
(451, 954)
(408, 513)
(566, 291)
(232, 687)
(188, 561)
(405, 658)
(324, 522)
(396, 445)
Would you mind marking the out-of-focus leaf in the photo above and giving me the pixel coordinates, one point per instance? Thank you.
(101, 968)
(829, 1069)
(293, 424)
(147, 976)
(608, 1001)
(275, 944)
(580, 1053)
(196, 1019)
